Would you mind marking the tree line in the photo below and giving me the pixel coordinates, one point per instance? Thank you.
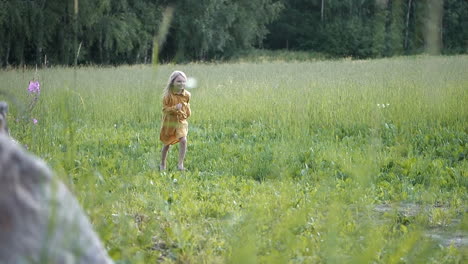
(371, 28)
(64, 32)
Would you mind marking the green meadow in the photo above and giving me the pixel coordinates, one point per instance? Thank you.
(343, 161)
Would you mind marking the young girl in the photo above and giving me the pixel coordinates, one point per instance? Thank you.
(176, 110)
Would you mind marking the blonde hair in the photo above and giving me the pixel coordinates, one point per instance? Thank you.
(170, 82)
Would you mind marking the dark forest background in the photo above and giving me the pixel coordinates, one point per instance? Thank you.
(34, 32)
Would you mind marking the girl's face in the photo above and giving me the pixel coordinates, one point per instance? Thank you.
(179, 83)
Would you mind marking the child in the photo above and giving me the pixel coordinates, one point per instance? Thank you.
(176, 110)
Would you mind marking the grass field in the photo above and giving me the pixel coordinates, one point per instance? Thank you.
(288, 162)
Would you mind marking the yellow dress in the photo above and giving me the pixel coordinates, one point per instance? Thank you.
(174, 122)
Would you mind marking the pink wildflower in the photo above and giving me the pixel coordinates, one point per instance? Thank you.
(34, 87)
(34, 121)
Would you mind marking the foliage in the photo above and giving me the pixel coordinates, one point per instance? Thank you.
(309, 162)
(213, 29)
(115, 32)
(368, 28)
(122, 31)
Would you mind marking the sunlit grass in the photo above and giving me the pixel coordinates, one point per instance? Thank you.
(287, 161)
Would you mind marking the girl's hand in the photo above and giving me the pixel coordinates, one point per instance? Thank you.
(178, 106)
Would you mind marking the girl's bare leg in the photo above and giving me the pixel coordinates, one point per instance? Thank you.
(164, 151)
(182, 151)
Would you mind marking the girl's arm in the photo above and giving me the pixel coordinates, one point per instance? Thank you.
(185, 110)
(188, 112)
(168, 108)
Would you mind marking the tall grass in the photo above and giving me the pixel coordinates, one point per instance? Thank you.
(287, 161)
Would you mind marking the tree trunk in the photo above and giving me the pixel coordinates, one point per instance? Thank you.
(321, 10)
(7, 56)
(40, 33)
(40, 37)
(101, 57)
(433, 40)
(407, 24)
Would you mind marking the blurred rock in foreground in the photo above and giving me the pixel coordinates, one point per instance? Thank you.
(3, 112)
(40, 219)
